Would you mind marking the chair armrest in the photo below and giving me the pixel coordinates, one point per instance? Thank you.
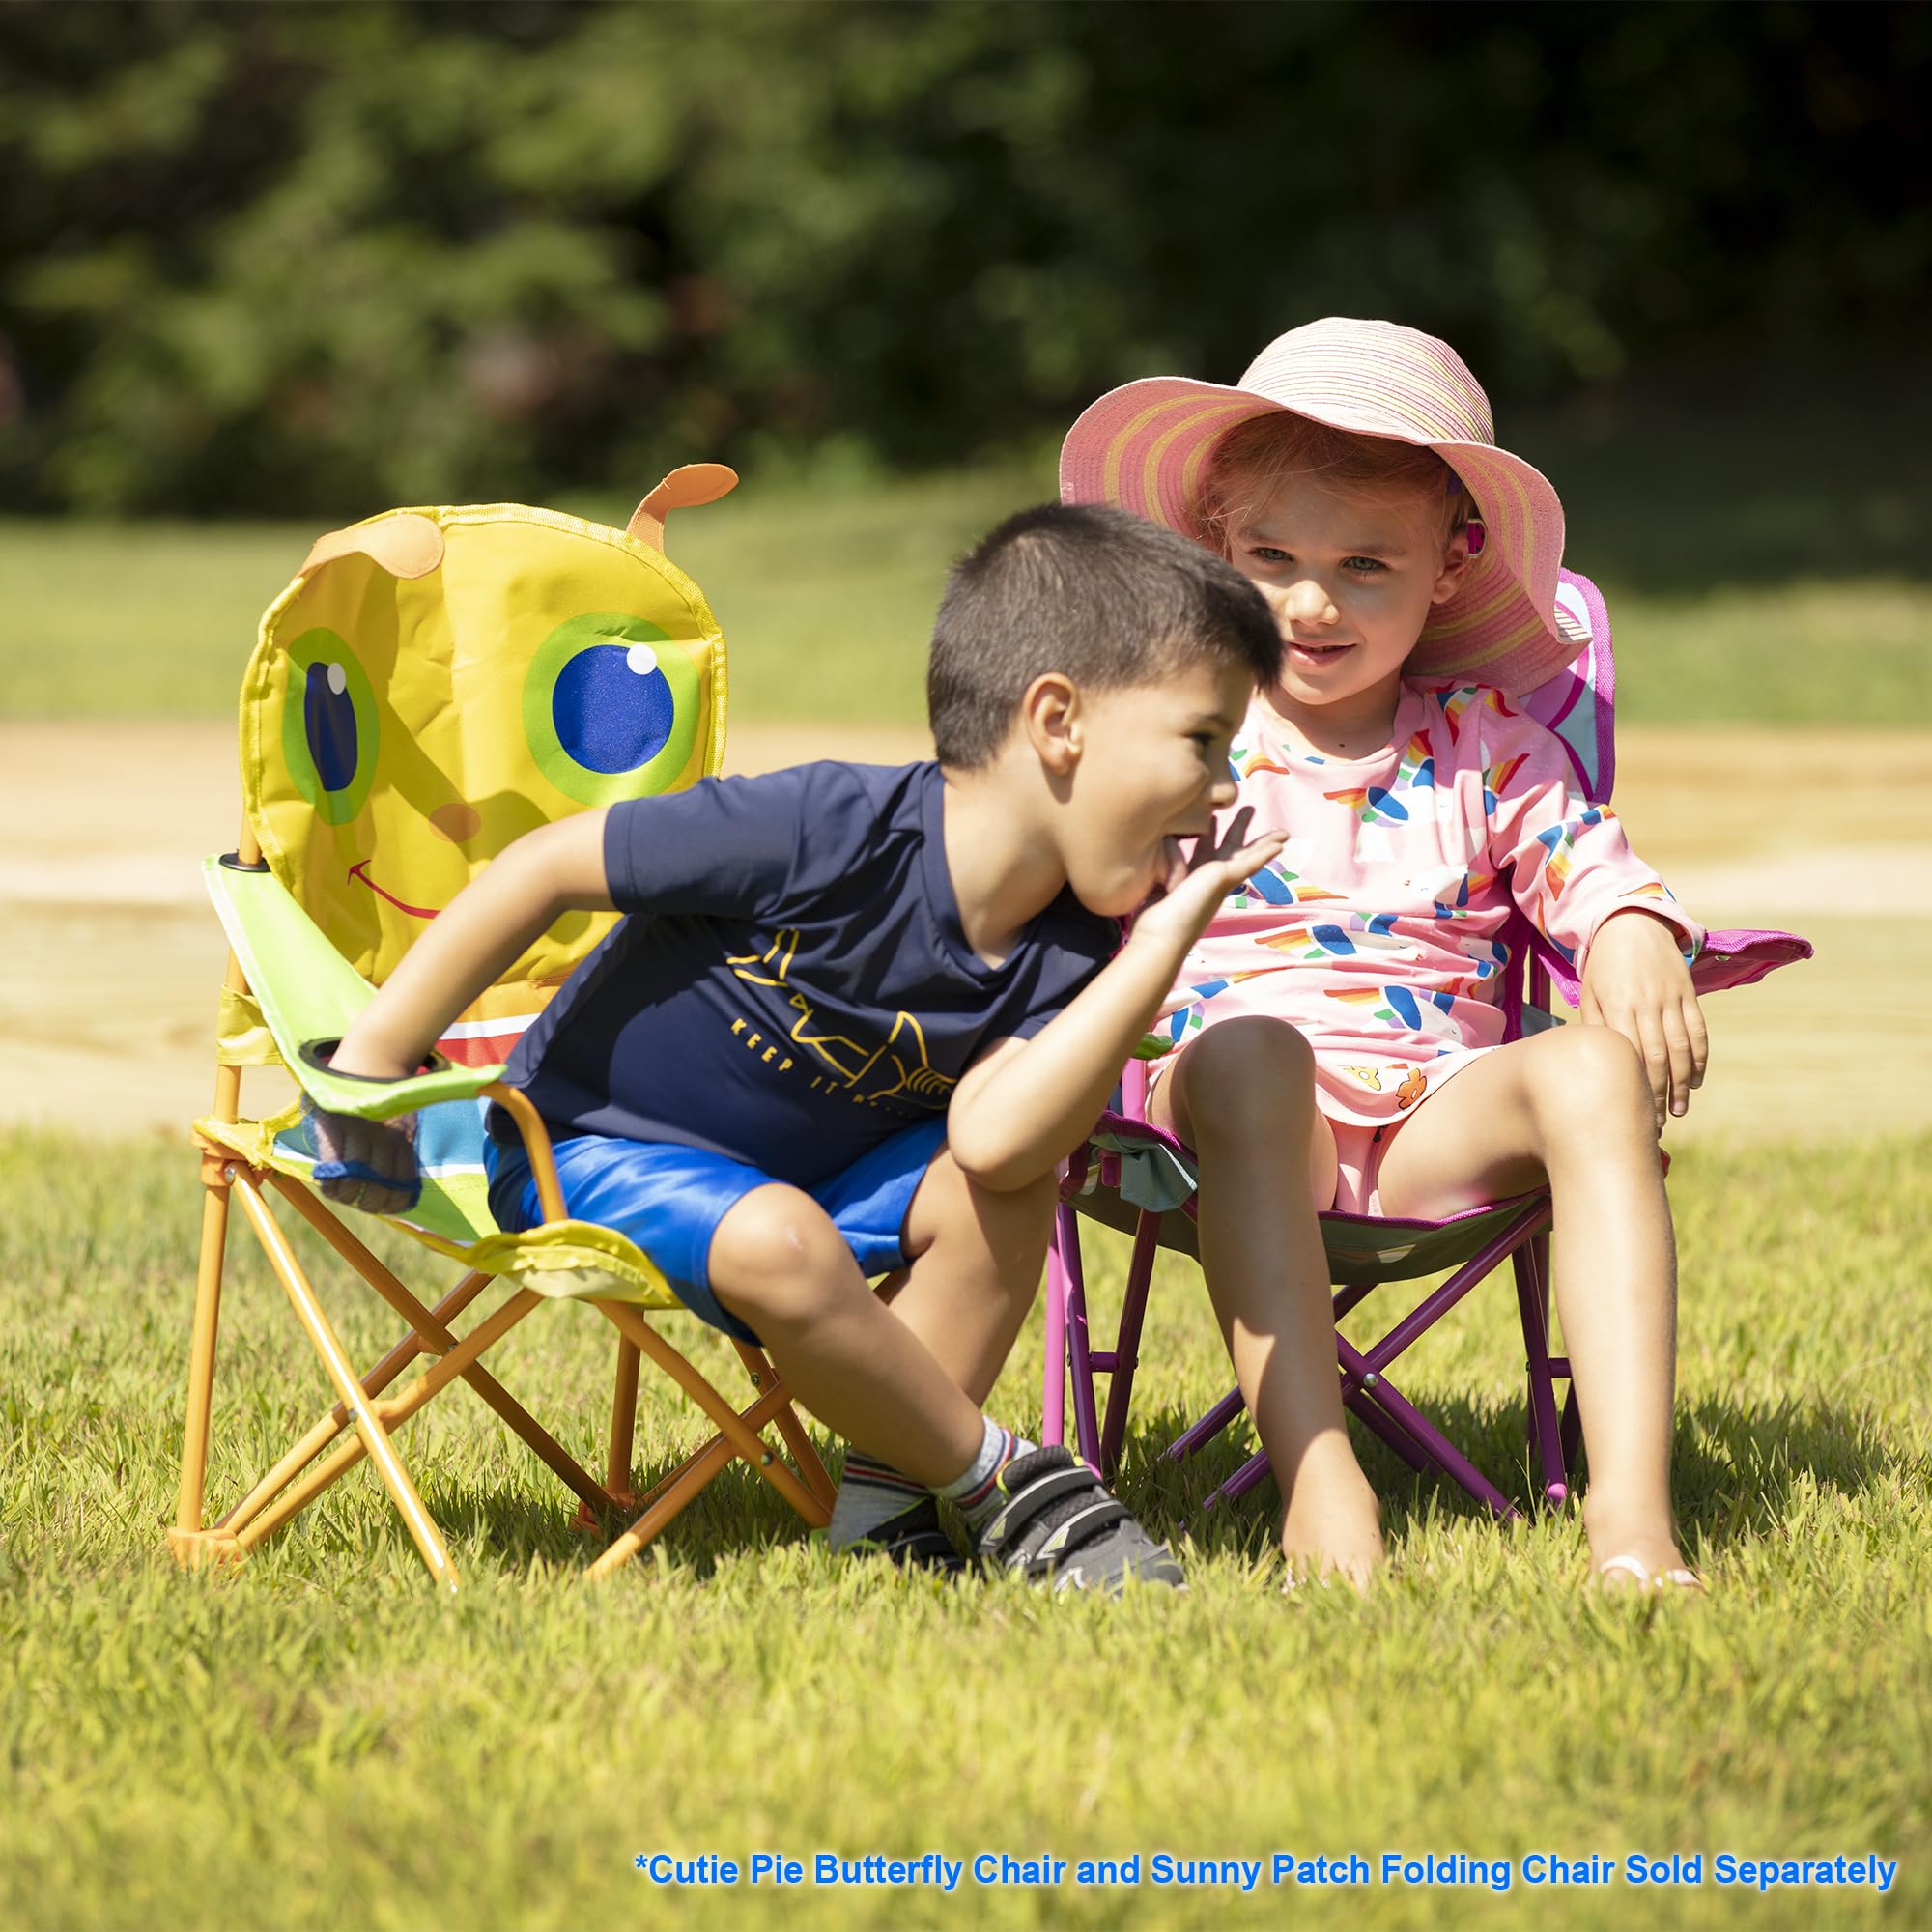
(309, 994)
(1729, 958)
(1743, 957)
(377, 1099)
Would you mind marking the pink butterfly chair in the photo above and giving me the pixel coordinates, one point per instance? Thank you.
(1132, 1176)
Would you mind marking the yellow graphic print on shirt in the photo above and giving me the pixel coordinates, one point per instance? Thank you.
(907, 1073)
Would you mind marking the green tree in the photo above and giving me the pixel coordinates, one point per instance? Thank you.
(311, 257)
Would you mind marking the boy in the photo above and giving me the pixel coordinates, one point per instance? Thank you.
(855, 1016)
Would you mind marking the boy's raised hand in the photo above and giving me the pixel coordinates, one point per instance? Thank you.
(1026, 1103)
(1636, 981)
(1198, 882)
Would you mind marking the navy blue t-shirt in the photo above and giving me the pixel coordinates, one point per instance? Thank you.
(791, 984)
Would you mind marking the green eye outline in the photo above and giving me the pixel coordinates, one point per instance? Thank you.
(324, 646)
(573, 636)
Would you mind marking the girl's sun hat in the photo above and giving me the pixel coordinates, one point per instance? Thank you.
(1145, 447)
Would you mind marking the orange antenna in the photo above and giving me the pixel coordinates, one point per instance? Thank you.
(682, 490)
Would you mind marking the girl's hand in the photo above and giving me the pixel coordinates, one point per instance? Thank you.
(1195, 884)
(1636, 981)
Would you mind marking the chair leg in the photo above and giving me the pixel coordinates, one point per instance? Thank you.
(392, 1414)
(1239, 1483)
(623, 1419)
(1127, 1342)
(434, 1339)
(1573, 1428)
(1079, 1354)
(1440, 1451)
(1531, 1264)
(817, 1478)
(382, 1450)
(337, 1419)
(684, 1485)
(1360, 1403)
(1211, 1425)
(744, 1440)
(188, 1539)
(1053, 1371)
(1386, 1428)
(617, 1490)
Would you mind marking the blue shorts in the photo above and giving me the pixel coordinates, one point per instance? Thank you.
(669, 1198)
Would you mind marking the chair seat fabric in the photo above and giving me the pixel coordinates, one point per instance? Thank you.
(1157, 1174)
(561, 1261)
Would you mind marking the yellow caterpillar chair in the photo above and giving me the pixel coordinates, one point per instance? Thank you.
(431, 685)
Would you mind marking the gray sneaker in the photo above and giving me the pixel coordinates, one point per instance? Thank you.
(1060, 1526)
(913, 1539)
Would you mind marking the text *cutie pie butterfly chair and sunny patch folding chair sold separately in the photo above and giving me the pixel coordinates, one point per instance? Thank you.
(434, 684)
(1136, 1178)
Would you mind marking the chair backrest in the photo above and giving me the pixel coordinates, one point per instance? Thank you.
(1579, 703)
(438, 682)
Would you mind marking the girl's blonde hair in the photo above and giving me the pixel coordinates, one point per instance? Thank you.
(1248, 465)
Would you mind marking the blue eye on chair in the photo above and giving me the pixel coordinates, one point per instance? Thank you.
(613, 707)
(330, 725)
(328, 720)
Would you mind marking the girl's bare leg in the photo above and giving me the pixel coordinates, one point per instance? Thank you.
(1242, 1096)
(1574, 1105)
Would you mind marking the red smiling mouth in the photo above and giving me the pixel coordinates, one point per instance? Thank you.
(361, 871)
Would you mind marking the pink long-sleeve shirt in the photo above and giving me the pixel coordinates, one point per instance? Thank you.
(1379, 930)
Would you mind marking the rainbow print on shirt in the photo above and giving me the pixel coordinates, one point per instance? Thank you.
(1275, 885)
(1371, 804)
(1363, 932)
(1415, 769)
(1496, 779)
(1559, 843)
(1186, 1021)
(1402, 1006)
(1471, 883)
(1458, 701)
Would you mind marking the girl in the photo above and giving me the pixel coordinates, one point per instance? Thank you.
(1339, 1037)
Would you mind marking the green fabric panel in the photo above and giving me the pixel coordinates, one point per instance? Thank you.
(306, 990)
(1377, 1251)
(240, 1037)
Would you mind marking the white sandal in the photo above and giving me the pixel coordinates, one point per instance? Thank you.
(1647, 1579)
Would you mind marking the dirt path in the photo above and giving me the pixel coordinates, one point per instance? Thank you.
(106, 1012)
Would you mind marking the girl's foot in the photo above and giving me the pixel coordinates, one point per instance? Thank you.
(1634, 1552)
(1612, 1574)
(1334, 1525)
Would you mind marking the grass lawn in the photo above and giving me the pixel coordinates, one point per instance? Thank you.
(1743, 586)
(317, 1739)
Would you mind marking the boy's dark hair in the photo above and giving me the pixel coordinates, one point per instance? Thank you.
(1104, 597)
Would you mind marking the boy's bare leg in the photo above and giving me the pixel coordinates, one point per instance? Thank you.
(779, 1264)
(975, 1260)
(1575, 1105)
(1242, 1096)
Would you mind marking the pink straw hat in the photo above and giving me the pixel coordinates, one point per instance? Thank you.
(1143, 447)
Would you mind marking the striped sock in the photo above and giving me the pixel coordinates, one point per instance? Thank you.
(976, 1494)
(870, 1493)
